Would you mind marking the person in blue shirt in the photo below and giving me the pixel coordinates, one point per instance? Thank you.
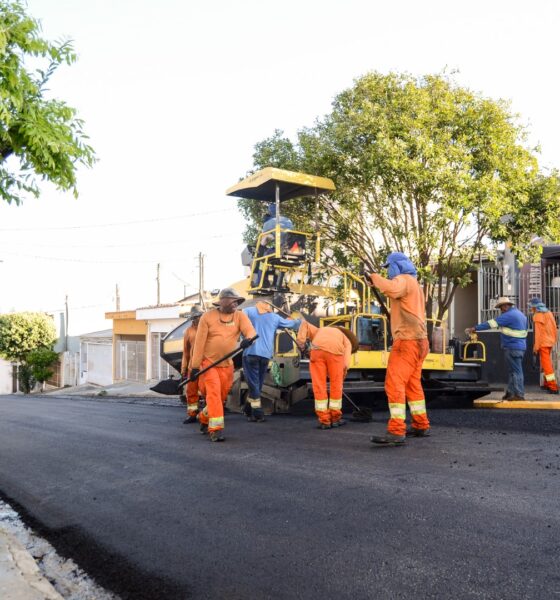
(257, 356)
(512, 324)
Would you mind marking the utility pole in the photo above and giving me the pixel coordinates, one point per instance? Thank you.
(201, 279)
(117, 298)
(66, 323)
(157, 279)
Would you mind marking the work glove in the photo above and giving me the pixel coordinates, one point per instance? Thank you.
(194, 374)
(245, 343)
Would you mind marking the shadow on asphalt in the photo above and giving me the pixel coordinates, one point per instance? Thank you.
(112, 571)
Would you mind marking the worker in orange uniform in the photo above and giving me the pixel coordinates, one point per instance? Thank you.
(331, 348)
(217, 335)
(188, 345)
(546, 334)
(410, 348)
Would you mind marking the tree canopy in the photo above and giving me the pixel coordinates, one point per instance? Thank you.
(422, 166)
(22, 333)
(41, 138)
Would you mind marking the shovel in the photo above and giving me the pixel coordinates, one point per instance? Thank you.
(231, 354)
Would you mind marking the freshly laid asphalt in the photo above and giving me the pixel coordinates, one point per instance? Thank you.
(281, 510)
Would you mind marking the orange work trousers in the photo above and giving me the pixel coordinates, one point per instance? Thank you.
(402, 385)
(215, 385)
(192, 397)
(321, 365)
(545, 356)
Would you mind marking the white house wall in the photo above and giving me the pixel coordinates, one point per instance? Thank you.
(5, 377)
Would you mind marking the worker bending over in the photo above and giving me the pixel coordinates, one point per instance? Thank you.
(188, 345)
(410, 348)
(217, 335)
(546, 334)
(331, 348)
(257, 356)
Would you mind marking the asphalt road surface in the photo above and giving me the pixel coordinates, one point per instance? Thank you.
(281, 510)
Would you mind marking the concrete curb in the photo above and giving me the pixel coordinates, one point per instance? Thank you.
(20, 578)
(520, 404)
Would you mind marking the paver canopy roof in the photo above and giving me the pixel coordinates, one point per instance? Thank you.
(262, 185)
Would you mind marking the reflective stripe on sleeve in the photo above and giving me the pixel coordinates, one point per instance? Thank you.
(493, 323)
(516, 333)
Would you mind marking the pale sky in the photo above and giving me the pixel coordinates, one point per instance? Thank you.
(176, 93)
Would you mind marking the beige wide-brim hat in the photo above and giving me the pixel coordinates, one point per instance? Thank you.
(229, 293)
(503, 300)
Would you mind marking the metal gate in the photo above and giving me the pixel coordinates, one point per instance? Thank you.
(131, 361)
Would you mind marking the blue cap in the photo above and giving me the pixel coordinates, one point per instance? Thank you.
(535, 301)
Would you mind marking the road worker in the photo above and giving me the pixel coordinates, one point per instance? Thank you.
(512, 324)
(546, 334)
(331, 348)
(218, 333)
(410, 348)
(188, 344)
(257, 357)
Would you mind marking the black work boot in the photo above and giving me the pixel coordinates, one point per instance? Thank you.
(203, 428)
(389, 439)
(324, 426)
(217, 436)
(338, 423)
(413, 432)
(257, 415)
(190, 419)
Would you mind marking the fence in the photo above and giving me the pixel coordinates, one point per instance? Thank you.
(531, 281)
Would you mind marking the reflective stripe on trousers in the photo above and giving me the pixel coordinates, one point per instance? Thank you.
(192, 397)
(215, 385)
(254, 402)
(323, 364)
(545, 357)
(402, 384)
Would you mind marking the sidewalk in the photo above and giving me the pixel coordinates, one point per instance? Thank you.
(20, 578)
(535, 399)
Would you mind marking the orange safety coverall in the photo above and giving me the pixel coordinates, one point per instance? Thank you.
(217, 335)
(192, 386)
(329, 356)
(410, 348)
(546, 333)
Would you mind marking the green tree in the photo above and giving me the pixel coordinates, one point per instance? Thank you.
(40, 137)
(422, 166)
(22, 333)
(42, 362)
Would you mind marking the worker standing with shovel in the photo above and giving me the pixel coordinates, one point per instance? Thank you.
(218, 333)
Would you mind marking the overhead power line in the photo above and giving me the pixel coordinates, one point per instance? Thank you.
(118, 224)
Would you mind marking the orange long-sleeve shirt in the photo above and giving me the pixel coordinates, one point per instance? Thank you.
(188, 345)
(546, 331)
(408, 306)
(218, 334)
(328, 339)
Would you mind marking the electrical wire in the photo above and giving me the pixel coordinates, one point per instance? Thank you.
(118, 224)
